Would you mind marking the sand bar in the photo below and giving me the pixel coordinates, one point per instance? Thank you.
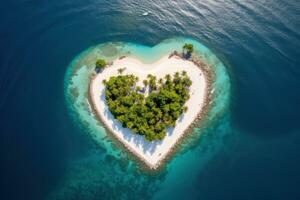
(151, 153)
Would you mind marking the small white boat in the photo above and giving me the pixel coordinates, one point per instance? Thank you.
(145, 14)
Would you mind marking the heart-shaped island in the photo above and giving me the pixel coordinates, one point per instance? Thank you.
(149, 107)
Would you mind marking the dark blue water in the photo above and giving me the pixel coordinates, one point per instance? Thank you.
(43, 152)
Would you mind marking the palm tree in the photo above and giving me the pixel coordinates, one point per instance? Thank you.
(168, 76)
(100, 64)
(138, 88)
(185, 109)
(187, 50)
(160, 81)
(188, 47)
(149, 76)
(145, 82)
(121, 70)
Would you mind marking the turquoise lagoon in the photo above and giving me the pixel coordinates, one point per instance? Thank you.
(107, 164)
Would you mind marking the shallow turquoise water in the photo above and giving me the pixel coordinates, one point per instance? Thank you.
(250, 151)
(195, 151)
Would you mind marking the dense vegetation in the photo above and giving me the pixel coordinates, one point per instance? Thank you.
(151, 109)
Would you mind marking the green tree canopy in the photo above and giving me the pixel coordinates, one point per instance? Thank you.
(189, 48)
(148, 116)
(100, 63)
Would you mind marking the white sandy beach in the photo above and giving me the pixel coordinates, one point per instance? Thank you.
(152, 153)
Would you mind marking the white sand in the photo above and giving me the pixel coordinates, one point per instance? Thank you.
(152, 153)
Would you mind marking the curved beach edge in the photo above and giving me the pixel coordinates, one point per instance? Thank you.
(145, 164)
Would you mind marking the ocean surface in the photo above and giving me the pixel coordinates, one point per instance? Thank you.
(250, 150)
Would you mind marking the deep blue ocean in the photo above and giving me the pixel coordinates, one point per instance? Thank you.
(251, 152)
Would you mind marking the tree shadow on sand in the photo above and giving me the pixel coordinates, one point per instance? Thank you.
(127, 134)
